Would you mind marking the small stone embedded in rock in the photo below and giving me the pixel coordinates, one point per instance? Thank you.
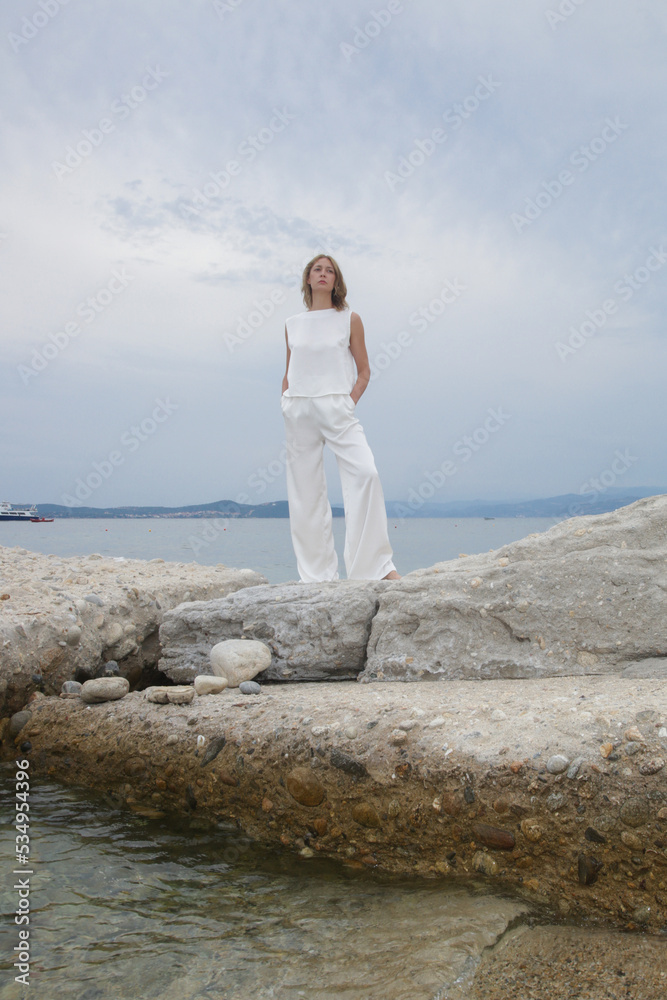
(606, 750)
(71, 689)
(484, 863)
(398, 737)
(555, 801)
(641, 914)
(348, 764)
(652, 766)
(213, 749)
(631, 840)
(18, 721)
(633, 735)
(304, 787)
(239, 659)
(493, 836)
(134, 766)
(249, 687)
(531, 829)
(634, 811)
(407, 725)
(573, 769)
(591, 834)
(101, 689)
(498, 715)
(366, 815)
(209, 684)
(588, 869)
(557, 764)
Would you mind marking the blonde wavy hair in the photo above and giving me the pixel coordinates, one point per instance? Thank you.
(339, 292)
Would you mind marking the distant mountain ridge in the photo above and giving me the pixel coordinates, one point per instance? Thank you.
(567, 505)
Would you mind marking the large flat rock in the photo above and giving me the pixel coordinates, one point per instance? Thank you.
(554, 788)
(315, 631)
(589, 596)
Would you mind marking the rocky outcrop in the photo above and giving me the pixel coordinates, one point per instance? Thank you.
(550, 788)
(62, 618)
(589, 596)
(315, 631)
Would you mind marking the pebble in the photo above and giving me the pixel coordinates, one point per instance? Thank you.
(633, 735)
(484, 863)
(631, 840)
(642, 914)
(498, 715)
(632, 748)
(634, 811)
(320, 730)
(348, 764)
(351, 732)
(573, 769)
(209, 684)
(178, 694)
(438, 721)
(366, 815)
(592, 835)
(101, 689)
(652, 766)
(94, 599)
(555, 801)
(588, 869)
(18, 721)
(662, 732)
(249, 687)
(407, 725)
(557, 764)
(531, 829)
(70, 689)
(398, 737)
(493, 836)
(304, 787)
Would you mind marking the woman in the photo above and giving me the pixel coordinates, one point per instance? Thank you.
(327, 371)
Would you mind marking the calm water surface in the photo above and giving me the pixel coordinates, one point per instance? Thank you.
(124, 907)
(262, 545)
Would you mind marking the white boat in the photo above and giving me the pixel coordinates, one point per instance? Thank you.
(17, 512)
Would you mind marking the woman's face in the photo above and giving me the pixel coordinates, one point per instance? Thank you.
(322, 276)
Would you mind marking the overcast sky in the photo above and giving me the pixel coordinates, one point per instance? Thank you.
(488, 173)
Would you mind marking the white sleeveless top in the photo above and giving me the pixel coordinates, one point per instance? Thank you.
(321, 361)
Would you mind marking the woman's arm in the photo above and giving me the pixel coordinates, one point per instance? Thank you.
(360, 355)
(285, 382)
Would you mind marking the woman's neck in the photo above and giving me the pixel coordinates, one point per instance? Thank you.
(321, 300)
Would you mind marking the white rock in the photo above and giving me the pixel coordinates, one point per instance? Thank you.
(101, 689)
(398, 737)
(239, 659)
(557, 764)
(498, 715)
(210, 684)
(407, 724)
(438, 721)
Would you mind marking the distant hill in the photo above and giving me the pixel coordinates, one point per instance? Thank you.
(567, 505)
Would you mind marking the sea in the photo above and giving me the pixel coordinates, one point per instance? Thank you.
(263, 545)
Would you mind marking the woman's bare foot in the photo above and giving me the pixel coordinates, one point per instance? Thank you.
(392, 576)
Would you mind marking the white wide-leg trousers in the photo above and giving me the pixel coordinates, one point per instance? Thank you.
(310, 421)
